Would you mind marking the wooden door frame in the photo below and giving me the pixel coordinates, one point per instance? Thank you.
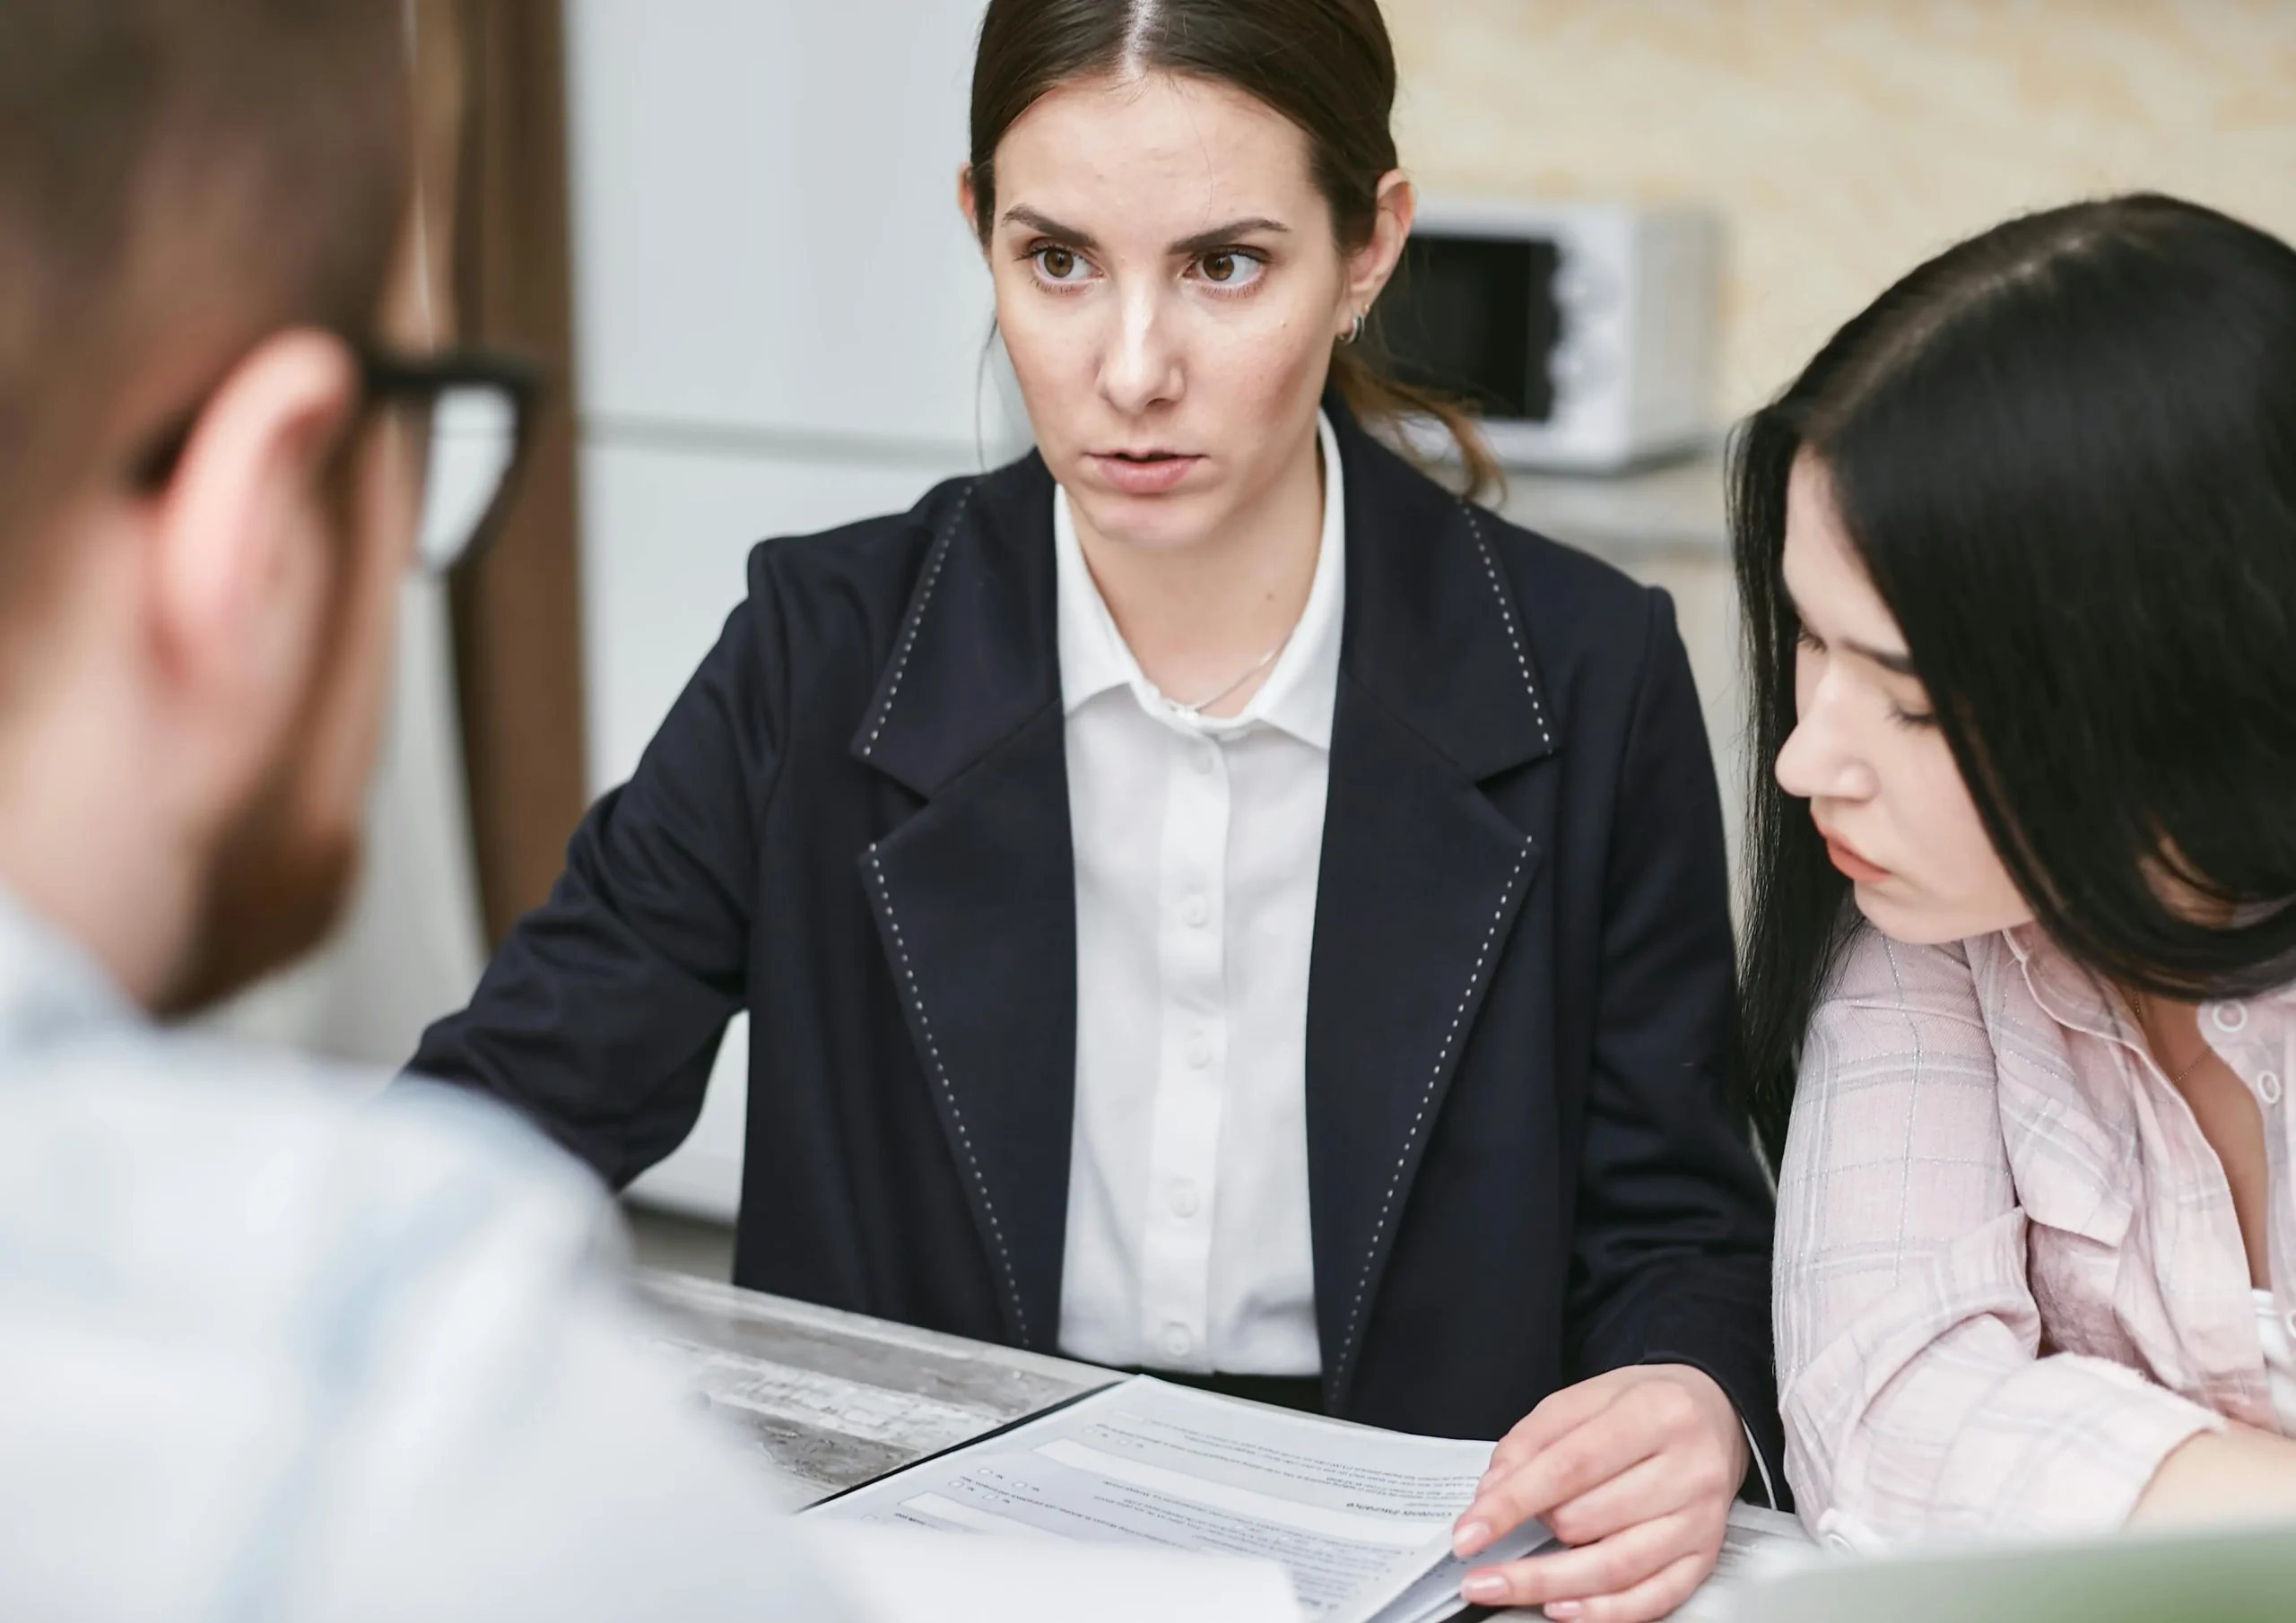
(517, 611)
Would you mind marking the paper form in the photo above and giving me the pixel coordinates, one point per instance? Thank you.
(1359, 1518)
(1347, 1510)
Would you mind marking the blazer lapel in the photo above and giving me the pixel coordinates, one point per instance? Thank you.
(1422, 875)
(975, 892)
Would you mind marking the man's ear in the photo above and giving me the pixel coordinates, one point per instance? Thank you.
(1371, 265)
(235, 527)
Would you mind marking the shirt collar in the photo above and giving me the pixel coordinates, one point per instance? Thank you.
(48, 982)
(2066, 992)
(2073, 996)
(1298, 693)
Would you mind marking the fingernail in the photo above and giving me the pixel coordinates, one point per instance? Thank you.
(1563, 1612)
(1469, 1537)
(1484, 1588)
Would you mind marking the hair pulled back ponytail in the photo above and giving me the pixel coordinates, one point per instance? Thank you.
(1325, 65)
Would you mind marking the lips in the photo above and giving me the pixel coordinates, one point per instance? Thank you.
(1143, 472)
(1846, 858)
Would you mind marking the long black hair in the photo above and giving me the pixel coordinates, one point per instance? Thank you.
(2064, 451)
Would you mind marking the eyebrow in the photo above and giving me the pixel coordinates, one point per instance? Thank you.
(1020, 213)
(1900, 664)
(1045, 225)
(1221, 235)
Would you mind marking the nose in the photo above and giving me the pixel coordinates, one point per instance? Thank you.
(1821, 760)
(1142, 366)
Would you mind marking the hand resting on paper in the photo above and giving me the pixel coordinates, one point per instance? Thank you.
(1635, 1470)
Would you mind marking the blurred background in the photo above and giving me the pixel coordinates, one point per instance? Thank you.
(730, 227)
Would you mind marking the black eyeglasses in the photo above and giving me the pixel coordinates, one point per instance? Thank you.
(476, 409)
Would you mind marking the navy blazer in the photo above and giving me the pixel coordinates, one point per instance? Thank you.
(854, 824)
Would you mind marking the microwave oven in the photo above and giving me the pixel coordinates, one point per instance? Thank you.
(1583, 333)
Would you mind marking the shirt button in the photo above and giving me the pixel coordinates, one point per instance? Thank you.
(1178, 1342)
(2268, 1087)
(1202, 758)
(1199, 1049)
(2230, 1017)
(1183, 1198)
(1195, 909)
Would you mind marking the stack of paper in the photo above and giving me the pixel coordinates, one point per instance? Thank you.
(1359, 1519)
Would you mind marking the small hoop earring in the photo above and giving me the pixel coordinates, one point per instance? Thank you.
(1354, 330)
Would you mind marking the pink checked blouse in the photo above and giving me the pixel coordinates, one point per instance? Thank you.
(2010, 1279)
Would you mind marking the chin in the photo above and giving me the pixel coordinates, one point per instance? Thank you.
(1922, 922)
(1160, 523)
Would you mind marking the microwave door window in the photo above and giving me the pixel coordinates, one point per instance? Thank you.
(1475, 317)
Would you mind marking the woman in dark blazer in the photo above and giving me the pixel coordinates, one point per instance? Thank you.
(867, 823)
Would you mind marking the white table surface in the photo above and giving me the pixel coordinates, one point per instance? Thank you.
(835, 1399)
(839, 1397)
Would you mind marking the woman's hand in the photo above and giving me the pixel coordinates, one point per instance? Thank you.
(1635, 1470)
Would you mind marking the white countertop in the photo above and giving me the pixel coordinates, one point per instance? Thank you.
(1669, 507)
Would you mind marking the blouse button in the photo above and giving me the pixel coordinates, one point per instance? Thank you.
(1203, 759)
(1199, 1050)
(1178, 1342)
(2268, 1087)
(2229, 1017)
(1196, 910)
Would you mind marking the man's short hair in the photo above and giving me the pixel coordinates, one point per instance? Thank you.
(179, 179)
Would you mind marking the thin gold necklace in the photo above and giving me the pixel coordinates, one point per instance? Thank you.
(2144, 1008)
(1256, 666)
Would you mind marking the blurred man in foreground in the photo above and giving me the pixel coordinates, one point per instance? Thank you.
(265, 1352)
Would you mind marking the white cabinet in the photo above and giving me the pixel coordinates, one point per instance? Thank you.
(766, 232)
(666, 532)
(780, 324)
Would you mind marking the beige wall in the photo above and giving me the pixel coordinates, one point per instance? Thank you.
(1844, 140)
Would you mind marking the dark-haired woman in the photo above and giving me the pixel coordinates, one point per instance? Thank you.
(1208, 898)
(2018, 554)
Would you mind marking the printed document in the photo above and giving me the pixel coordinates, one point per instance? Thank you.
(1359, 1518)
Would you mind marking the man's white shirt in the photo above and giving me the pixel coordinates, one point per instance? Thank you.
(271, 1349)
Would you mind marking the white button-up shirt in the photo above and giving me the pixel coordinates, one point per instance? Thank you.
(1197, 842)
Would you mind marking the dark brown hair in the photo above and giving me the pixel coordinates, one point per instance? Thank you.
(179, 179)
(1325, 65)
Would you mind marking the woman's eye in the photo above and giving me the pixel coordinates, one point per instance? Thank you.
(1057, 263)
(1229, 269)
(1803, 639)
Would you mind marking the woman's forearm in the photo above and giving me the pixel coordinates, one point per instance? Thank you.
(2239, 1475)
